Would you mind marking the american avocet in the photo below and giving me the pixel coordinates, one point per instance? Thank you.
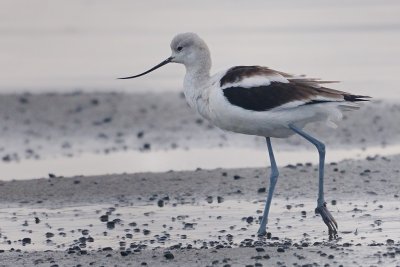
(259, 101)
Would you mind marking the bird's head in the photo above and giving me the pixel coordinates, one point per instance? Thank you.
(187, 49)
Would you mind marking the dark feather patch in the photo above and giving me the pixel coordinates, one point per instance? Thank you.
(238, 73)
(263, 98)
(356, 98)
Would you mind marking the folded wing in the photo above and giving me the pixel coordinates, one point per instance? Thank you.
(258, 88)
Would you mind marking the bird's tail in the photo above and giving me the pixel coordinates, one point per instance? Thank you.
(350, 103)
(356, 98)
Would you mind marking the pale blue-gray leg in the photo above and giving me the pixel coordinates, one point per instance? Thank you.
(272, 182)
(321, 207)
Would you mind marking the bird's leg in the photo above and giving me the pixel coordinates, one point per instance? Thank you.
(321, 207)
(273, 179)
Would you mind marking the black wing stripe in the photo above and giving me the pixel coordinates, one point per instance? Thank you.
(263, 98)
(266, 97)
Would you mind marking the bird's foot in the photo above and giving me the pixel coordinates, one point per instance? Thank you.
(261, 232)
(328, 220)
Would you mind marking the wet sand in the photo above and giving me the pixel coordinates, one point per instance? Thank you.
(203, 218)
(46, 125)
(189, 218)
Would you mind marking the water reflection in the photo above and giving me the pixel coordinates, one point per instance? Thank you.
(161, 161)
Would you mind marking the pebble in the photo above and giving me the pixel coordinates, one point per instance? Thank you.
(160, 203)
(249, 219)
(168, 255)
(111, 225)
(104, 218)
(26, 240)
(146, 146)
(125, 253)
(261, 190)
(49, 235)
(146, 232)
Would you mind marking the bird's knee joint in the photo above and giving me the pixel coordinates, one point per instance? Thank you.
(274, 175)
(321, 148)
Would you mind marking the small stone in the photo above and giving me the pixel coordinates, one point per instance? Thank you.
(111, 225)
(249, 219)
(160, 203)
(49, 235)
(390, 241)
(140, 134)
(168, 255)
(236, 177)
(104, 218)
(146, 232)
(146, 146)
(281, 250)
(258, 249)
(26, 240)
(23, 100)
(261, 190)
(124, 253)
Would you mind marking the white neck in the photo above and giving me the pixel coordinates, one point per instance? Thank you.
(197, 77)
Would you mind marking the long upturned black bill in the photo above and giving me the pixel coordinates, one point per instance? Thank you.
(168, 60)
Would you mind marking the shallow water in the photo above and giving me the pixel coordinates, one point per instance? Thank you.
(85, 45)
(360, 222)
(177, 160)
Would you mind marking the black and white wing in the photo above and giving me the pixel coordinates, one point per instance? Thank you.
(258, 88)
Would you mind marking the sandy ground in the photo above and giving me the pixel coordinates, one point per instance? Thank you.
(363, 196)
(192, 218)
(39, 126)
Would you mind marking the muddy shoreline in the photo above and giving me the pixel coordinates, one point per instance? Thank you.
(189, 218)
(376, 177)
(362, 195)
(46, 125)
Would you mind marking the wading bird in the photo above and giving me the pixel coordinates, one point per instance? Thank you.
(259, 101)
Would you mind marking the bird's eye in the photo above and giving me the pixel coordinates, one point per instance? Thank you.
(179, 48)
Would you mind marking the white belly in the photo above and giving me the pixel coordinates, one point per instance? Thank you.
(265, 123)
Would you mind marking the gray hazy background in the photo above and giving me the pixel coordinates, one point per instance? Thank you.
(62, 46)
